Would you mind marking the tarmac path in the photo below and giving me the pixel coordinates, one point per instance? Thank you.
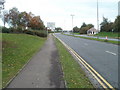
(43, 70)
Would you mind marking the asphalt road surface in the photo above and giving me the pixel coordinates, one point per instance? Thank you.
(43, 70)
(103, 57)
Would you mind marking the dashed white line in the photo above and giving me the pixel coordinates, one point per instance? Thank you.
(111, 53)
(38, 79)
(85, 44)
(37, 86)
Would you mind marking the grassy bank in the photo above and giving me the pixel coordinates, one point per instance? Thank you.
(102, 40)
(16, 51)
(73, 74)
(109, 34)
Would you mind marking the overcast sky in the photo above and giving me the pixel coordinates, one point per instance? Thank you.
(59, 11)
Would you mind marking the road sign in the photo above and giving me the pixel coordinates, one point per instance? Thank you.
(51, 25)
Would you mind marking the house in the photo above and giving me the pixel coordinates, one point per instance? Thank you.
(92, 31)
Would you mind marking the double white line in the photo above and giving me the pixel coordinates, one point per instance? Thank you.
(96, 75)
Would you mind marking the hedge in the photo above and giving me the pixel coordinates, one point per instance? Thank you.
(40, 33)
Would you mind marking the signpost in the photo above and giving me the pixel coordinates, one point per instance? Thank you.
(51, 25)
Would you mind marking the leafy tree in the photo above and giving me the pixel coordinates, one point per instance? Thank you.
(76, 29)
(5, 17)
(58, 29)
(21, 20)
(13, 17)
(90, 26)
(117, 24)
(85, 27)
(106, 26)
(36, 23)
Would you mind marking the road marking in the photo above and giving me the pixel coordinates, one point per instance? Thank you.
(111, 52)
(37, 86)
(86, 44)
(96, 75)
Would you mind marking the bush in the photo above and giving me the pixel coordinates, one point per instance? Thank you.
(5, 30)
(29, 32)
(36, 32)
(40, 33)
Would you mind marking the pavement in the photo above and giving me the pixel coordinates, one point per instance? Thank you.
(103, 57)
(112, 39)
(43, 70)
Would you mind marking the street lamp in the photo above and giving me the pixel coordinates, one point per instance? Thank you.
(72, 23)
(97, 16)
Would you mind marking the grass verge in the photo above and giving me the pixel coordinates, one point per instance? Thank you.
(73, 74)
(109, 34)
(16, 51)
(102, 40)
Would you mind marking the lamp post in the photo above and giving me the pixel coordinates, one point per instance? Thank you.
(97, 16)
(72, 23)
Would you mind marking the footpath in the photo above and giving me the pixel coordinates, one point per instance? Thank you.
(43, 70)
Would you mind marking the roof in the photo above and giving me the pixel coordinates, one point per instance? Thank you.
(93, 29)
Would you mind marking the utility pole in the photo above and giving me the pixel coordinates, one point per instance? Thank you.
(97, 16)
(72, 23)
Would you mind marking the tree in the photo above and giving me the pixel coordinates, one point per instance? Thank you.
(5, 17)
(58, 29)
(76, 29)
(13, 17)
(85, 27)
(36, 23)
(21, 20)
(116, 25)
(106, 26)
(90, 26)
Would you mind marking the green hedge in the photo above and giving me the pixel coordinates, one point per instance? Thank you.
(40, 33)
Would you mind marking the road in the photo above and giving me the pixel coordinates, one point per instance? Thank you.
(103, 57)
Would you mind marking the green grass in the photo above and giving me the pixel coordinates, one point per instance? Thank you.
(102, 40)
(109, 34)
(73, 74)
(0, 60)
(16, 51)
(77, 33)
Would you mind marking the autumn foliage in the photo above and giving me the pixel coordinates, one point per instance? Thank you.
(23, 20)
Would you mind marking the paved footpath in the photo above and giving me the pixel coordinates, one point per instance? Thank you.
(43, 71)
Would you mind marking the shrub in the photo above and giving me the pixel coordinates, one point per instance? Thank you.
(40, 33)
(29, 32)
(36, 32)
(5, 30)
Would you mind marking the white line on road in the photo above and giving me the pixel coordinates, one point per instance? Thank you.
(86, 44)
(38, 79)
(111, 52)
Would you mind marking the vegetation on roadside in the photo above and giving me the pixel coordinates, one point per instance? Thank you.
(102, 40)
(105, 26)
(73, 74)
(108, 34)
(17, 49)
